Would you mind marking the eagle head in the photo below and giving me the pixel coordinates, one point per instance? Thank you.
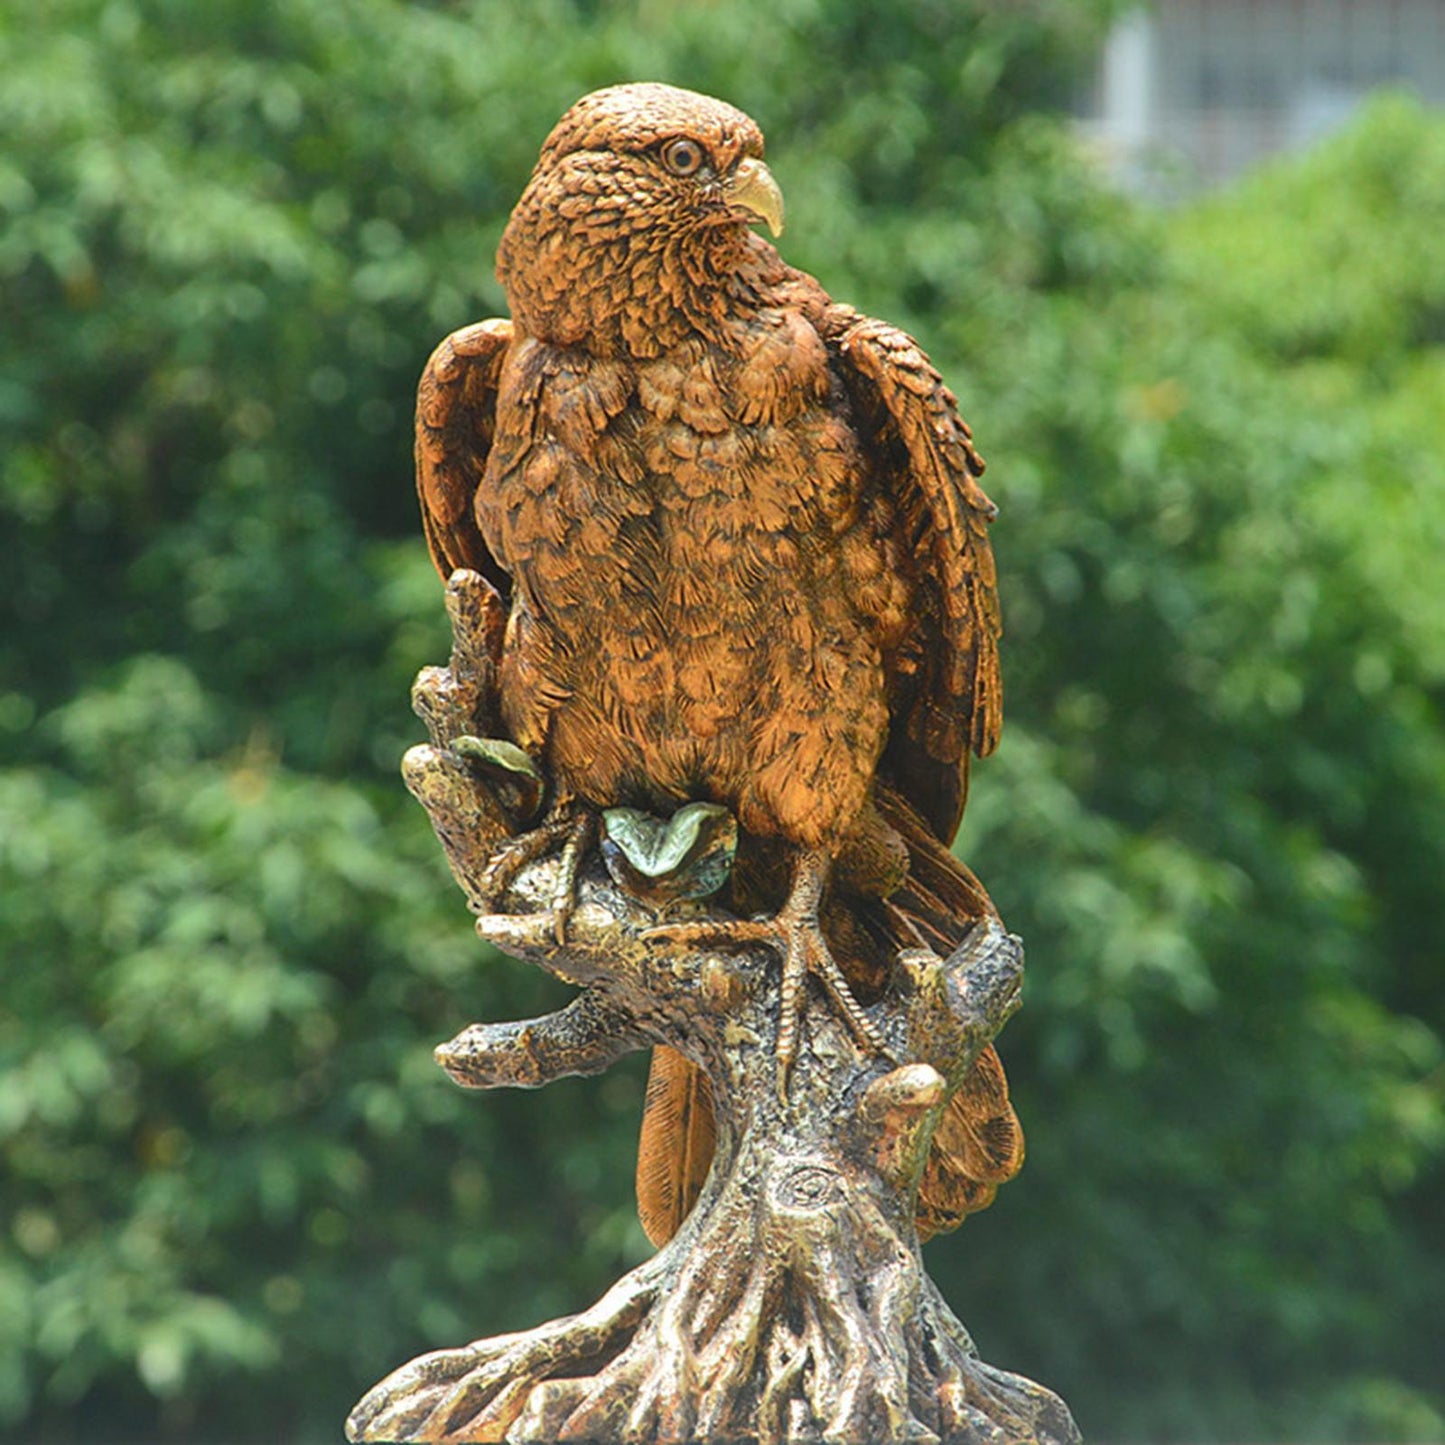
(638, 208)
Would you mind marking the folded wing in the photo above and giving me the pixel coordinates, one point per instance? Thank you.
(456, 416)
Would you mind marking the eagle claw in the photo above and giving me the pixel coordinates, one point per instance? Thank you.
(796, 934)
(570, 824)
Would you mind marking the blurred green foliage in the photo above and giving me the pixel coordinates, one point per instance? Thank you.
(235, 1188)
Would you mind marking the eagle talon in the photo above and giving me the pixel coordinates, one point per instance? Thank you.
(567, 824)
(794, 931)
(564, 895)
(732, 932)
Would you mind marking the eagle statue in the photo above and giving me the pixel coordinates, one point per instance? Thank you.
(739, 534)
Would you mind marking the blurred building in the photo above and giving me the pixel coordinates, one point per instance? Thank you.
(1190, 92)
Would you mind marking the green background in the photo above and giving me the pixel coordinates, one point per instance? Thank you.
(234, 1189)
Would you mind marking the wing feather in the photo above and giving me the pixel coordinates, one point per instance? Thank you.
(953, 703)
(456, 414)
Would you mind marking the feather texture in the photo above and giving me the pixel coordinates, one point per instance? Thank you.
(977, 1146)
(676, 1143)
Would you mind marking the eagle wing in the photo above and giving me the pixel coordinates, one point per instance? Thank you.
(948, 697)
(456, 416)
(946, 702)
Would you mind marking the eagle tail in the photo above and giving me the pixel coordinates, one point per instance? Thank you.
(675, 1147)
(978, 1143)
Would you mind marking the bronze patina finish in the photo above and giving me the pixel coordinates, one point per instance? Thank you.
(725, 636)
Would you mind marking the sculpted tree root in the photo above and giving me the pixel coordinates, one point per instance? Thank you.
(793, 1304)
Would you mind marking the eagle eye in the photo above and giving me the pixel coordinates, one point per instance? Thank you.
(682, 157)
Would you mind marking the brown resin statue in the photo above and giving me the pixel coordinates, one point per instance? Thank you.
(726, 634)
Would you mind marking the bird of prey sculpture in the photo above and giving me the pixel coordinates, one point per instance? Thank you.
(739, 533)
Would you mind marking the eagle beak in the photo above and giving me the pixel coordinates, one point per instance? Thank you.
(751, 188)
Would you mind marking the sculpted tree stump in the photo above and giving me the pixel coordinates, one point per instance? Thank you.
(793, 1304)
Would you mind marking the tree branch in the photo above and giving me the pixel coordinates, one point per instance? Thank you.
(586, 1037)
